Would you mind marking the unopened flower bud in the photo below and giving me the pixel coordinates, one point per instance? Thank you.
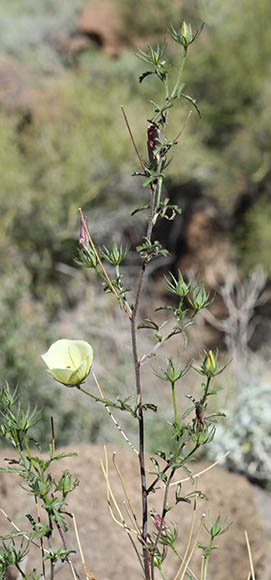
(66, 483)
(152, 141)
(209, 364)
(157, 561)
(184, 29)
(184, 34)
(158, 523)
(200, 415)
(12, 556)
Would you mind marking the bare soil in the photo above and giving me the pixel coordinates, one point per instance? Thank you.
(107, 550)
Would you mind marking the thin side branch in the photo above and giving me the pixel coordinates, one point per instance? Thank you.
(124, 306)
(250, 557)
(133, 140)
(126, 494)
(109, 494)
(194, 546)
(180, 481)
(112, 416)
(79, 545)
(202, 568)
(183, 127)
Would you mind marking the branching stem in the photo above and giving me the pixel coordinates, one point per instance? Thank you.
(123, 305)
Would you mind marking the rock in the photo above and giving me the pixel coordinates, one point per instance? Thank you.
(15, 93)
(100, 22)
(207, 244)
(198, 238)
(106, 547)
(72, 45)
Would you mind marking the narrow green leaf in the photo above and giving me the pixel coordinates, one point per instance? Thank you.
(193, 101)
(187, 412)
(188, 473)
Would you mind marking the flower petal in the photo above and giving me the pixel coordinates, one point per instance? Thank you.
(62, 375)
(78, 351)
(81, 373)
(57, 355)
(69, 361)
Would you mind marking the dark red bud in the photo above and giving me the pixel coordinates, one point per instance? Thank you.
(152, 138)
(200, 415)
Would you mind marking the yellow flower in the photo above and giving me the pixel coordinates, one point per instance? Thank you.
(184, 29)
(69, 361)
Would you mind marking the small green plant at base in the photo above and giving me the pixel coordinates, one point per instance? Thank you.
(214, 530)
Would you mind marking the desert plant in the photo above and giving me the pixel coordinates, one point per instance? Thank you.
(70, 362)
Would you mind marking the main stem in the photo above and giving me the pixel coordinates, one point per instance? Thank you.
(141, 441)
(140, 415)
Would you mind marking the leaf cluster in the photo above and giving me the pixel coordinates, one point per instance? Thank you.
(37, 480)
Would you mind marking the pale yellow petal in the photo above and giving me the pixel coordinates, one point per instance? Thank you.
(57, 355)
(62, 375)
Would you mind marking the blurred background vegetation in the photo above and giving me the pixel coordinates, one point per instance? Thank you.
(65, 70)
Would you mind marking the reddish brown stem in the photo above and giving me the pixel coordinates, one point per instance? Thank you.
(133, 140)
(140, 413)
